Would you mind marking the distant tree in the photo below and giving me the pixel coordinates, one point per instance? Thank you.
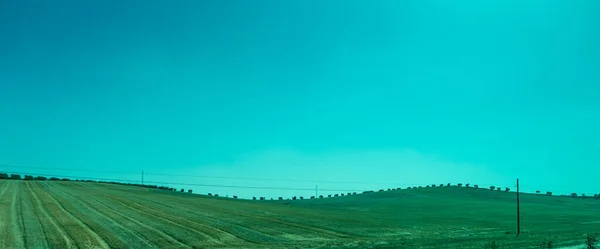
(549, 193)
(398, 188)
(40, 178)
(336, 195)
(499, 189)
(441, 185)
(381, 190)
(216, 195)
(369, 191)
(182, 190)
(301, 198)
(271, 198)
(427, 186)
(353, 193)
(27, 177)
(409, 188)
(468, 185)
(460, 184)
(492, 187)
(476, 186)
(235, 197)
(312, 197)
(320, 196)
(342, 194)
(3, 176)
(583, 195)
(65, 179)
(209, 194)
(420, 186)
(448, 185)
(595, 195)
(507, 189)
(349, 193)
(329, 195)
(573, 194)
(254, 198)
(280, 198)
(294, 198)
(190, 191)
(537, 191)
(15, 176)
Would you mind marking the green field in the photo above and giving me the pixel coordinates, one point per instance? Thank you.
(53, 214)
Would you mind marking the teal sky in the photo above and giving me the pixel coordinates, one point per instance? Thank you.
(404, 92)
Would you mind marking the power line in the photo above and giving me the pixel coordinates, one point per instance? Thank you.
(185, 184)
(244, 178)
(213, 177)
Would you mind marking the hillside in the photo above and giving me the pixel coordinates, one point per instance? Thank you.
(53, 214)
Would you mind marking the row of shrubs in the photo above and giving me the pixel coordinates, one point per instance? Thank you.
(43, 178)
(28, 177)
(506, 189)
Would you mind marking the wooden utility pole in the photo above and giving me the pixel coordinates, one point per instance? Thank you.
(518, 210)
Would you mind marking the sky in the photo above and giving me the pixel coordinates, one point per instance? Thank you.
(382, 94)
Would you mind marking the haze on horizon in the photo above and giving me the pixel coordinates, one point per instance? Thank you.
(408, 92)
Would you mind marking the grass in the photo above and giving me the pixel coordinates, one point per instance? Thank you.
(591, 241)
(44, 214)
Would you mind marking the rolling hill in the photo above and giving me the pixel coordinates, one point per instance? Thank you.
(57, 214)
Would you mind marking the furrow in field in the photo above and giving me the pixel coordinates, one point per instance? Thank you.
(282, 226)
(190, 220)
(169, 219)
(56, 236)
(292, 230)
(211, 235)
(10, 234)
(34, 236)
(168, 236)
(163, 239)
(115, 235)
(263, 229)
(145, 238)
(86, 237)
(16, 218)
(235, 227)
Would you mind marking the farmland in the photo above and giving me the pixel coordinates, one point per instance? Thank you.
(56, 214)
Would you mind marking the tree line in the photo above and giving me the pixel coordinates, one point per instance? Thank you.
(468, 185)
(43, 178)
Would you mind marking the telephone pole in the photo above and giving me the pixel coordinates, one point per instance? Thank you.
(316, 191)
(518, 210)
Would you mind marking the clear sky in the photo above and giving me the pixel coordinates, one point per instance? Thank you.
(394, 93)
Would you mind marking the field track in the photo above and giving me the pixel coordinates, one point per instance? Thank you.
(49, 214)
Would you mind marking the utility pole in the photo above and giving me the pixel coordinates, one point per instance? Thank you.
(316, 191)
(142, 177)
(518, 210)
